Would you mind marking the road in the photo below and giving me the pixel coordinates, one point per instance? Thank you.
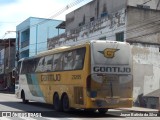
(10, 105)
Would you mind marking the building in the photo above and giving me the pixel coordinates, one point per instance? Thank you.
(7, 63)
(133, 21)
(32, 35)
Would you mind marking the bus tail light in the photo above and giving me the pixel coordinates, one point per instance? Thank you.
(88, 84)
(91, 92)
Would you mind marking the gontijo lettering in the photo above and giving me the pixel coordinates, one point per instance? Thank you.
(112, 69)
(52, 77)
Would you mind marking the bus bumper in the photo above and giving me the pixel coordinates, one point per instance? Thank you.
(112, 103)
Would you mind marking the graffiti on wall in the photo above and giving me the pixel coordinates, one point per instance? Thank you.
(90, 30)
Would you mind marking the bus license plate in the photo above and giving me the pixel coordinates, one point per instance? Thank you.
(112, 101)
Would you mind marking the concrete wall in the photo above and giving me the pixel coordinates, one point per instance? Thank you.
(152, 3)
(97, 7)
(146, 67)
(144, 26)
(93, 9)
(105, 27)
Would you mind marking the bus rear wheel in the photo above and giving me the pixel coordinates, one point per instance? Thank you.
(65, 103)
(102, 110)
(56, 102)
(24, 98)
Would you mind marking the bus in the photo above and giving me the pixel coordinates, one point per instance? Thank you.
(95, 76)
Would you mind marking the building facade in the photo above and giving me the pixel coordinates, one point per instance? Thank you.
(32, 35)
(7, 63)
(136, 22)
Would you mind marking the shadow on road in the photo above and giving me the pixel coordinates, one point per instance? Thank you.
(47, 110)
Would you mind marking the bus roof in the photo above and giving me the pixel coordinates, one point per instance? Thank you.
(56, 50)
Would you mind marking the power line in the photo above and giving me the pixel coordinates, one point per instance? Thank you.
(56, 14)
(129, 31)
(139, 28)
(125, 33)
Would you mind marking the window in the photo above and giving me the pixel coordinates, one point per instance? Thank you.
(73, 60)
(48, 63)
(69, 60)
(40, 65)
(102, 38)
(143, 6)
(104, 14)
(91, 19)
(120, 36)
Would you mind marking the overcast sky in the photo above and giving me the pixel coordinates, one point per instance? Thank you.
(13, 12)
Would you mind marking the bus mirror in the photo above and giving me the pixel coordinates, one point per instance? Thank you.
(14, 73)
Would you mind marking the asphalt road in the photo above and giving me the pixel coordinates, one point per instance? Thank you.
(10, 105)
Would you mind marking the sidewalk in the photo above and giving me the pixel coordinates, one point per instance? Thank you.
(7, 91)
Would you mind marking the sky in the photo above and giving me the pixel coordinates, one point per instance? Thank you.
(13, 12)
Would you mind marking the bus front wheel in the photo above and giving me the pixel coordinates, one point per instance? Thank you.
(65, 103)
(56, 102)
(23, 97)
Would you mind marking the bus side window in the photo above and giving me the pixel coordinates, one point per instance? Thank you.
(57, 62)
(78, 63)
(36, 62)
(79, 59)
(40, 65)
(24, 67)
(48, 63)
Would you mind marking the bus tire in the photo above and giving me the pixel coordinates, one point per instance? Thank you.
(65, 103)
(102, 110)
(57, 102)
(23, 97)
(90, 110)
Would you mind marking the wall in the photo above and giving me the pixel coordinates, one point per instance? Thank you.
(39, 30)
(1, 61)
(144, 26)
(152, 3)
(105, 27)
(92, 9)
(146, 67)
(40, 33)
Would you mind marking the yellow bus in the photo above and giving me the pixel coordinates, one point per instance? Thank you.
(96, 75)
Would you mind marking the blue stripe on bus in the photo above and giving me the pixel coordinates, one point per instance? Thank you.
(36, 85)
